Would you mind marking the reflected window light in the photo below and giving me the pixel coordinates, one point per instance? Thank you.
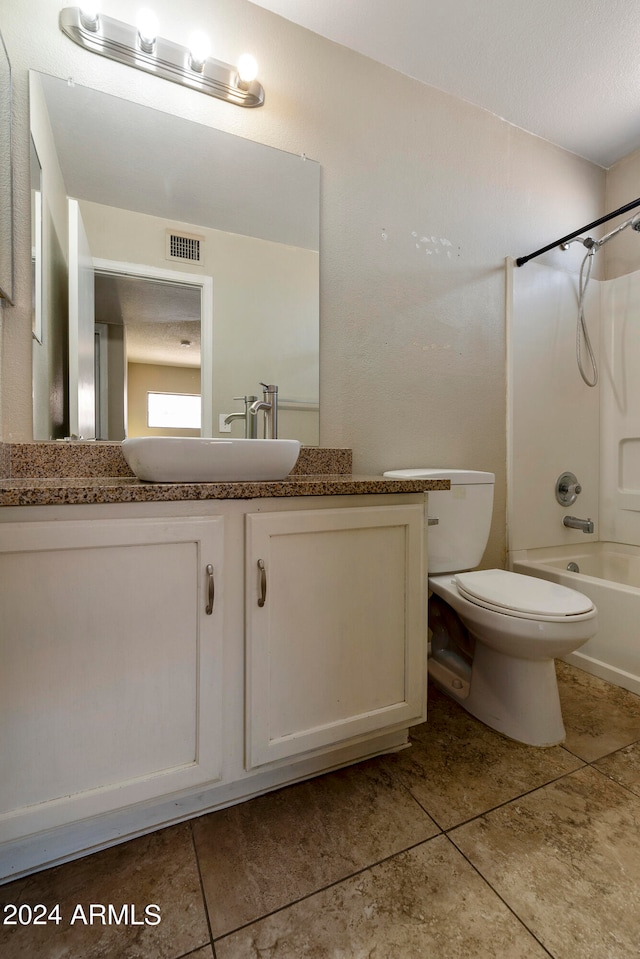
(178, 411)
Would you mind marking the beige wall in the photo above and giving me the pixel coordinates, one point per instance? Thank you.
(412, 328)
(622, 256)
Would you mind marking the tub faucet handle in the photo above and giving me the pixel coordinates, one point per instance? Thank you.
(570, 488)
(567, 489)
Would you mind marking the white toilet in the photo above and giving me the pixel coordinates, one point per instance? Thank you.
(495, 633)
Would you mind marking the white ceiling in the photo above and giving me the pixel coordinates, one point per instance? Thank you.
(566, 70)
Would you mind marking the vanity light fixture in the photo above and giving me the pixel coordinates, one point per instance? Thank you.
(247, 70)
(199, 51)
(90, 15)
(147, 24)
(140, 47)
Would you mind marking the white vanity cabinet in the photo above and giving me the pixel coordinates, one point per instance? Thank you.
(110, 665)
(159, 660)
(335, 627)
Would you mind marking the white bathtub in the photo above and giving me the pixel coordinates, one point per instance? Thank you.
(610, 576)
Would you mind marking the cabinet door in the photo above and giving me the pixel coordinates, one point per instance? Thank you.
(110, 678)
(336, 632)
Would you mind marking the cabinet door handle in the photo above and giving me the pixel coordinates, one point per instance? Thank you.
(211, 590)
(263, 583)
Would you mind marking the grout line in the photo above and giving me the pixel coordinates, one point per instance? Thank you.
(611, 778)
(443, 831)
(597, 759)
(399, 782)
(330, 885)
(202, 892)
(193, 952)
(507, 802)
(446, 829)
(500, 897)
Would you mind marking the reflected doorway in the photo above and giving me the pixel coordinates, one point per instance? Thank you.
(152, 328)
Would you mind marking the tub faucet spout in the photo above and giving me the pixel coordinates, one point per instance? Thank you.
(586, 525)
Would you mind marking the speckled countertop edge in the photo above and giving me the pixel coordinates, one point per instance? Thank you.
(45, 460)
(55, 491)
(54, 474)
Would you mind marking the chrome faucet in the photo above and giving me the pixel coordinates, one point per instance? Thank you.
(586, 525)
(250, 422)
(268, 403)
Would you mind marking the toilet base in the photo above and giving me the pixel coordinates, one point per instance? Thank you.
(516, 697)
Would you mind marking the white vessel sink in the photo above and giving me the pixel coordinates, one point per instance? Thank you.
(194, 459)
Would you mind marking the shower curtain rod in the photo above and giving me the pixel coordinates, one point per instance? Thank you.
(571, 236)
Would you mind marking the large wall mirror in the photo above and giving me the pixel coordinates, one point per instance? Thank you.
(6, 176)
(180, 268)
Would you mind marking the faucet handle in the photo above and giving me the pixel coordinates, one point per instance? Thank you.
(271, 388)
(567, 489)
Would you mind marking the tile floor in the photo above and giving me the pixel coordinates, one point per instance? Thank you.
(466, 846)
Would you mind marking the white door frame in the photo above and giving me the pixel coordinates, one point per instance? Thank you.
(102, 380)
(205, 284)
(81, 326)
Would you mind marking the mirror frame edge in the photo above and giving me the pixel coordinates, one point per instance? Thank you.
(8, 295)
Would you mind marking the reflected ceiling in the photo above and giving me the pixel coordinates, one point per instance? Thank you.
(106, 159)
(157, 316)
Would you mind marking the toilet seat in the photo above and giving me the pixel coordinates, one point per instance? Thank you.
(525, 597)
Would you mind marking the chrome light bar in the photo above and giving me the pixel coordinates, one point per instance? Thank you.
(163, 58)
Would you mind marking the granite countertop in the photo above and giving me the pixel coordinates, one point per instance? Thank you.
(53, 474)
(56, 491)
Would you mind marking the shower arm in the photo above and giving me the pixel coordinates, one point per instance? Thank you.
(571, 236)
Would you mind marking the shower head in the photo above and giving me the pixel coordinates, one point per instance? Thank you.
(594, 245)
(634, 223)
(585, 240)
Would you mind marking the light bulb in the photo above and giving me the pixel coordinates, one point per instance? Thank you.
(247, 68)
(199, 50)
(90, 14)
(147, 24)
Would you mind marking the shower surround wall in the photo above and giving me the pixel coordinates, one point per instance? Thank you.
(620, 411)
(553, 417)
(557, 422)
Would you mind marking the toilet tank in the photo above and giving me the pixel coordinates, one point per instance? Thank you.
(460, 538)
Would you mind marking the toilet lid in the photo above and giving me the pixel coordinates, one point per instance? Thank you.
(520, 595)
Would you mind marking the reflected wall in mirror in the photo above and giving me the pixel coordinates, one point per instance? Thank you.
(190, 235)
(6, 176)
(148, 348)
(35, 176)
